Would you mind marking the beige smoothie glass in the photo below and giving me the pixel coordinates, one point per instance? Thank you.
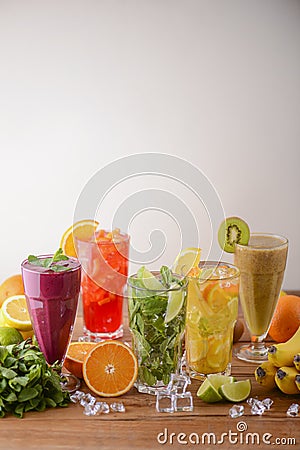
(262, 264)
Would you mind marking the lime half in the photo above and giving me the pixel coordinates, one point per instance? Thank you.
(175, 303)
(208, 393)
(149, 280)
(236, 392)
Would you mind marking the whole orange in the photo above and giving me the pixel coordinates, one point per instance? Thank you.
(11, 286)
(286, 319)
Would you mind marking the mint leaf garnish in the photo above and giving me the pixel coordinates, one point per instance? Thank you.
(51, 263)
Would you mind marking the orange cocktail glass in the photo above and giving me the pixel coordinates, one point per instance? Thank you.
(104, 261)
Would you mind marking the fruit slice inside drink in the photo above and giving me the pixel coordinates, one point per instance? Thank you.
(211, 314)
(105, 263)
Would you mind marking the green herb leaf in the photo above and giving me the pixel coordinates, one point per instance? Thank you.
(51, 263)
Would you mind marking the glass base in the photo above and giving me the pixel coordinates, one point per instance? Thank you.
(201, 376)
(69, 382)
(152, 390)
(253, 353)
(90, 336)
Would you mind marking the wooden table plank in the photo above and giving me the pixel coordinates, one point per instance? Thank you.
(140, 426)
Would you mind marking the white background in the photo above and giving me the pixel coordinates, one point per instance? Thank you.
(85, 82)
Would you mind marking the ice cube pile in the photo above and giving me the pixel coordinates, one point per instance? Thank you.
(94, 408)
(175, 398)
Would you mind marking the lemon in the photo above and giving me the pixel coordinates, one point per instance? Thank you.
(10, 336)
(236, 392)
(175, 303)
(84, 229)
(15, 313)
(186, 260)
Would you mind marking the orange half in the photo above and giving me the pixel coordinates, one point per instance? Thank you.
(76, 353)
(110, 369)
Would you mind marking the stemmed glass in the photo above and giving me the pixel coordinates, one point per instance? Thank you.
(261, 264)
(52, 298)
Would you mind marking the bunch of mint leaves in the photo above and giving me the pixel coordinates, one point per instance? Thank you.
(27, 383)
(51, 263)
(158, 345)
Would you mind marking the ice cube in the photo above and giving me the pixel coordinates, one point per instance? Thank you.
(178, 383)
(87, 399)
(183, 402)
(236, 411)
(293, 410)
(77, 396)
(258, 408)
(267, 402)
(165, 401)
(117, 407)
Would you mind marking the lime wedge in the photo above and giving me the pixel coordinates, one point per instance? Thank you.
(236, 392)
(149, 280)
(186, 260)
(208, 393)
(219, 380)
(175, 303)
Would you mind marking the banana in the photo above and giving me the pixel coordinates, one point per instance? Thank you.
(297, 381)
(265, 375)
(285, 379)
(283, 354)
(297, 361)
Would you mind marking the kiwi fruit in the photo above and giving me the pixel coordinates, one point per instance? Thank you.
(233, 230)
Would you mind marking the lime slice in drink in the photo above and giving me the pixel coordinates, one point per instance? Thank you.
(208, 393)
(186, 260)
(236, 392)
(149, 280)
(175, 303)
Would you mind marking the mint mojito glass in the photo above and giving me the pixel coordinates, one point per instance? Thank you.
(157, 312)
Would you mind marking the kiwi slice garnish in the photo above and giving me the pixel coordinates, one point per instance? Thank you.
(233, 230)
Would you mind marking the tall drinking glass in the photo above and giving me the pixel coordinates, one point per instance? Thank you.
(262, 264)
(156, 339)
(52, 299)
(104, 261)
(212, 309)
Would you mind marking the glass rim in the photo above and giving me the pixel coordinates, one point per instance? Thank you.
(157, 272)
(209, 264)
(52, 272)
(125, 238)
(283, 243)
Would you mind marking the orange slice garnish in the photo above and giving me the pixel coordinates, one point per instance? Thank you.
(84, 230)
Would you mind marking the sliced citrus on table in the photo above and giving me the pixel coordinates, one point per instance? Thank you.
(84, 229)
(15, 313)
(110, 369)
(187, 259)
(209, 389)
(208, 393)
(11, 286)
(76, 353)
(236, 392)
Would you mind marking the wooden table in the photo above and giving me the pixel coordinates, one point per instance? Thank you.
(141, 427)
